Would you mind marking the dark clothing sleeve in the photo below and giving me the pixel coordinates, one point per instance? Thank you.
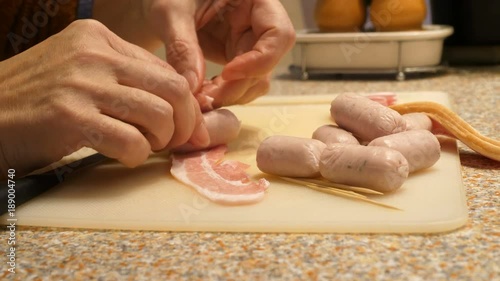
(85, 9)
(24, 23)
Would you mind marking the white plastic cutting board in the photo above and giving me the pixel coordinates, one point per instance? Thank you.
(148, 198)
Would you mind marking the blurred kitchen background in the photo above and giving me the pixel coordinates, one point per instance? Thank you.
(476, 39)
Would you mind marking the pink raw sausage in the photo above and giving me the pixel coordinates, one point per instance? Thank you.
(417, 121)
(222, 125)
(333, 134)
(365, 118)
(379, 168)
(420, 147)
(290, 156)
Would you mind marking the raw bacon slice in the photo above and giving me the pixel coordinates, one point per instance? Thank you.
(383, 98)
(220, 181)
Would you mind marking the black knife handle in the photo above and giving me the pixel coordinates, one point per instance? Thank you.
(31, 186)
(26, 188)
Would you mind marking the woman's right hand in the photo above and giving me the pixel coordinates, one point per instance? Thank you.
(87, 87)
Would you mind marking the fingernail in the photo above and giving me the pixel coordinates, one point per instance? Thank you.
(192, 79)
(206, 103)
(200, 136)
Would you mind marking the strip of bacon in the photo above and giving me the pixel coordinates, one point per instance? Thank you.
(384, 98)
(220, 181)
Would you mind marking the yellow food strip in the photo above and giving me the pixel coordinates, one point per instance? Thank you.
(455, 125)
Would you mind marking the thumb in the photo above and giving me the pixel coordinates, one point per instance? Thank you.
(178, 32)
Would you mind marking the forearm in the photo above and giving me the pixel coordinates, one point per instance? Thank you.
(24, 23)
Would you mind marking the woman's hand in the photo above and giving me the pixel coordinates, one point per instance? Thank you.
(87, 87)
(249, 37)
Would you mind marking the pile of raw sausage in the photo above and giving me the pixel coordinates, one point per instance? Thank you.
(370, 146)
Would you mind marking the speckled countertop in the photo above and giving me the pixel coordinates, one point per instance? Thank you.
(470, 253)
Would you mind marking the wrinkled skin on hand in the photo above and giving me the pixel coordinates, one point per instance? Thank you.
(248, 37)
(85, 86)
(88, 87)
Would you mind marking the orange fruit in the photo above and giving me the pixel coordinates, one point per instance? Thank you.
(397, 15)
(340, 15)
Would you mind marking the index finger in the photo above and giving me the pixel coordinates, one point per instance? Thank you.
(275, 36)
(140, 69)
